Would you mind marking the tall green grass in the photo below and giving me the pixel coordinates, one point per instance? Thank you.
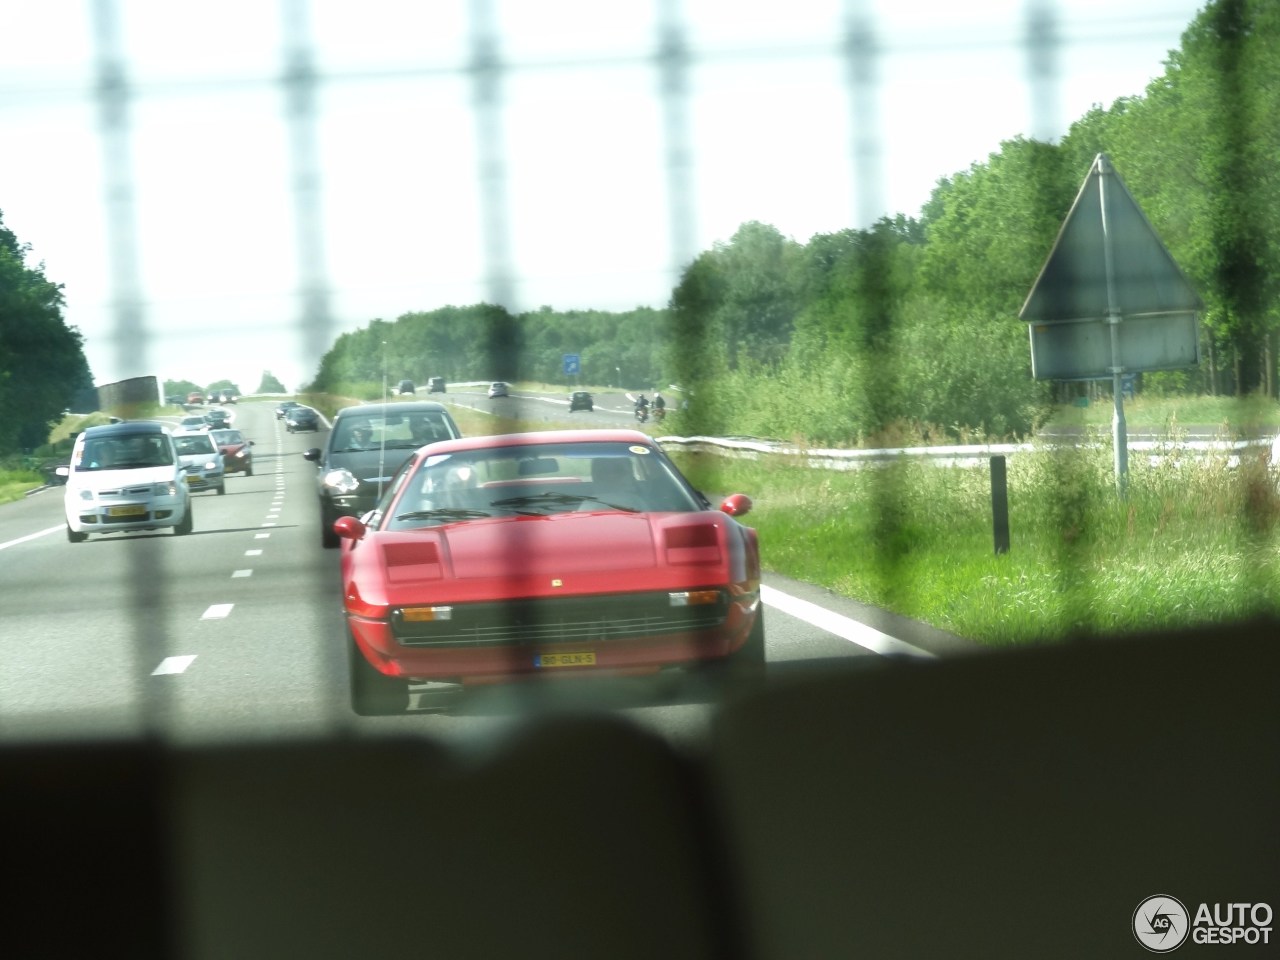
(1193, 540)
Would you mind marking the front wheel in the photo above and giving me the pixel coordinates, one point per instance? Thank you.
(187, 525)
(744, 670)
(74, 537)
(328, 538)
(373, 694)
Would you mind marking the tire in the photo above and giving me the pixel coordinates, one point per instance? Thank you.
(248, 470)
(222, 488)
(743, 671)
(328, 539)
(372, 693)
(187, 525)
(74, 537)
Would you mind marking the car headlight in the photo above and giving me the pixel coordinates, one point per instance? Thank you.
(164, 489)
(211, 466)
(341, 481)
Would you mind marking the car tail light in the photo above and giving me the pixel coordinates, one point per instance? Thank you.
(694, 598)
(426, 614)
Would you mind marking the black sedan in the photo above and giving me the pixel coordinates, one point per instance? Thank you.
(284, 407)
(300, 418)
(581, 400)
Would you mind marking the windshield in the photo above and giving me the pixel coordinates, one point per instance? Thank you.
(194, 446)
(126, 453)
(541, 481)
(396, 432)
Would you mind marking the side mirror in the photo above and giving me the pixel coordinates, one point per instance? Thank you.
(349, 528)
(312, 454)
(736, 505)
(62, 470)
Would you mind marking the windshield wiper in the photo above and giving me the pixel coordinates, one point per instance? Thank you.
(455, 514)
(557, 499)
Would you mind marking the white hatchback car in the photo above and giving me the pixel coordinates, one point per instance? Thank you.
(125, 476)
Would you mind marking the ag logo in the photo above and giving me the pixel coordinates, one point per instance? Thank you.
(1161, 923)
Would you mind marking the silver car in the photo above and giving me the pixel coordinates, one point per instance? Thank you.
(203, 461)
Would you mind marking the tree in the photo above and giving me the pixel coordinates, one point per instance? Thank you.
(270, 384)
(42, 361)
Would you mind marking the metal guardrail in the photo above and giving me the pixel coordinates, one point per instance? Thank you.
(958, 456)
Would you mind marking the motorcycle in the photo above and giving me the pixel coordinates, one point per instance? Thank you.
(642, 414)
(659, 414)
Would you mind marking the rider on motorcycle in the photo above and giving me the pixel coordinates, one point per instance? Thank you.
(659, 406)
(642, 408)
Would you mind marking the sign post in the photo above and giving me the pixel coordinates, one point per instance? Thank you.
(1110, 301)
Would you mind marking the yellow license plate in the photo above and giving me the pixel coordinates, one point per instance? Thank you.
(544, 660)
(132, 510)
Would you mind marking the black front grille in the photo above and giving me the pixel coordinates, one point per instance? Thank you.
(560, 620)
(134, 518)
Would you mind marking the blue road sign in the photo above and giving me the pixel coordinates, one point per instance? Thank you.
(572, 364)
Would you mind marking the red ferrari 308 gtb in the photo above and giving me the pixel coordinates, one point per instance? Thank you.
(561, 553)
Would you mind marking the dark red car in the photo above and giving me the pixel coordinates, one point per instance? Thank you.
(237, 455)
(564, 553)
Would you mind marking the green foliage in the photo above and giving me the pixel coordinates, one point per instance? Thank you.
(1194, 541)
(42, 362)
(269, 384)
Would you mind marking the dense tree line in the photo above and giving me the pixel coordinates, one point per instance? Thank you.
(43, 369)
(912, 324)
(486, 342)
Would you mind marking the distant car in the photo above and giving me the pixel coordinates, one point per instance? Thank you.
(284, 407)
(436, 385)
(299, 418)
(199, 454)
(581, 400)
(217, 419)
(125, 476)
(225, 396)
(482, 563)
(367, 444)
(191, 424)
(405, 386)
(195, 397)
(498, 389)
(237, 453)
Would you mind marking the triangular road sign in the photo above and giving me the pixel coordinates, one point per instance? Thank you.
(1107, 259)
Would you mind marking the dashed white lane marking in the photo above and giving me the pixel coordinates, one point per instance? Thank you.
(261, 536)
(268, 524)
(253, 553)
(842, 626)
(241, 573)
(218, 611)
(173, 665)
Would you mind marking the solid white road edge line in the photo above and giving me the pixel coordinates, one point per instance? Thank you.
(30, 536)
(842, 626)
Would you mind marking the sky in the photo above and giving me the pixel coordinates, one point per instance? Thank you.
(210, 228)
